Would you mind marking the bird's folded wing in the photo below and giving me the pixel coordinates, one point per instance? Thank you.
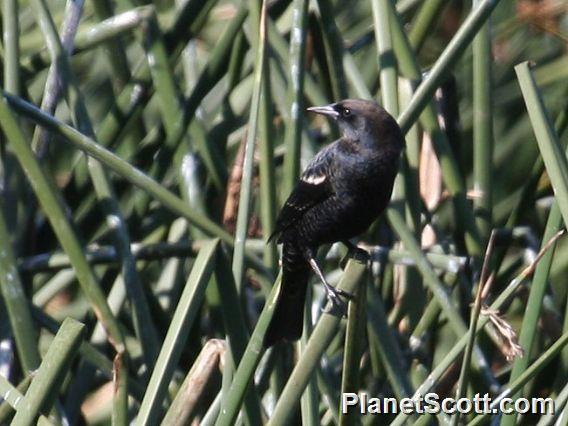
(313, 188)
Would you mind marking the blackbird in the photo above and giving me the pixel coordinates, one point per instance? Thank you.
(342, 191)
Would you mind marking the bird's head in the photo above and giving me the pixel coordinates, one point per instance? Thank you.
(363, 121)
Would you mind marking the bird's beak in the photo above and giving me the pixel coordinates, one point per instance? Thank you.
(328, 110)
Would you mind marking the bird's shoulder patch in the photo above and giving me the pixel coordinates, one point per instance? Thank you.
(314, 178)
(313, 188)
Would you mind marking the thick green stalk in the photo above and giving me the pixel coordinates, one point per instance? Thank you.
(406, 188)
(91, 38)
(17, 307)
(42, 392)
(103, 188)
(245, 371)
(354, 344)
(437, 288)
(296, 94)
(406, 6)
(88, 352)
(322, 336)
(483, 129)
(54, 211)
(113, 46)
(236, 331)
(13, 186)
(209, 417)
(169, 97)
(556, 167)
(137, 92)
(530, 329)
(144, 329)
(245, 195)
(563, 365)
(460, 345)
(548, 143)
(13, 397)
(107, 254)
(527, 375)
(11, 39)
(455, 49)
(465, 372)
(387, 346)
(169, 100)
(57, 71)
(333, 42)
(422, 97)
(178, 331)
(429, 317)
(450, 171)
(413, 293)
(560, 403)
(387, 62)
(424, 22)
(127, 171)
(313, 91)
(212, 73)
(446, 262)
(79, 386)
(309, 403)
(526, 194)
(267, 173)
(356, 80)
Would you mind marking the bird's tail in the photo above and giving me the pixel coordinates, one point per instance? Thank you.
(287, 321)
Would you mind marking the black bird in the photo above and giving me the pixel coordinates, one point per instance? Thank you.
(342, 191)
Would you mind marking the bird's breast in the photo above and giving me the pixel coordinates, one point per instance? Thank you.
(367, 183)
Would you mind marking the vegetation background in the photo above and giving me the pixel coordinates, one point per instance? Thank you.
(147, 146)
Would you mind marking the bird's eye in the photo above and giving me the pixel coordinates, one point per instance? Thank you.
(346, 112)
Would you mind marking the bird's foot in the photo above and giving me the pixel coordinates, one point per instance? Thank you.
(336, 293)
(337, 305)
(355, 253)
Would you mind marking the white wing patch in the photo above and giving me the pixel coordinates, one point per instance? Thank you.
(314, 179)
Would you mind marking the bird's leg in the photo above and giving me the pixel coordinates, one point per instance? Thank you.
(332, 292)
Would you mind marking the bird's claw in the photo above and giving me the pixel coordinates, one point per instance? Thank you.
(339, 292)
(337, 304)
(334, 293)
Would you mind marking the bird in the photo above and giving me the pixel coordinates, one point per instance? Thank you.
(342, 191)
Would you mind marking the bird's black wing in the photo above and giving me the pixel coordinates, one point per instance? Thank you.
(313, 188)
